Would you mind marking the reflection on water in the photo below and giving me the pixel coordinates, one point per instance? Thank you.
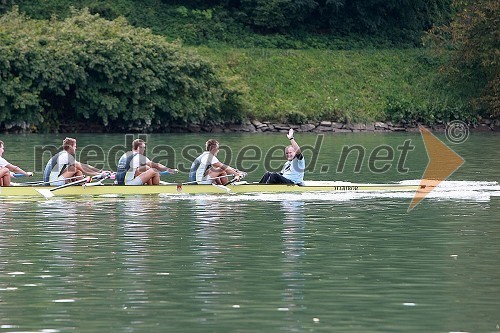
(293, 253)
(207, 219)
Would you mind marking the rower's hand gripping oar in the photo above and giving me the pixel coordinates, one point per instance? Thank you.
(163, 173)
(237, 178)
(48, 193)
(100, 179)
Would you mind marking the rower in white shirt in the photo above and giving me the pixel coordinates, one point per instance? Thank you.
(134, 168)
(63, 168)
(6, 168)
(207, 169)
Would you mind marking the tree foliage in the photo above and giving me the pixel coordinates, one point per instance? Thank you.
(276, 14)
(89, 68)
(398, 21)
(386, 16)
(366, 16)
(473, 42)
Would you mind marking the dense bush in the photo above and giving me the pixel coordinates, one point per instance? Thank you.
(471, 43)
(89, 68)
(411, 113)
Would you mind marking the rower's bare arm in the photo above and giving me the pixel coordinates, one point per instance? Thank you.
(16, 169)
(171, 171)
(294, 143)
(87, 169)
(161, 167)
(229, 170)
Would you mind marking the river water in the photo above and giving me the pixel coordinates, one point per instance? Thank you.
(258, 263)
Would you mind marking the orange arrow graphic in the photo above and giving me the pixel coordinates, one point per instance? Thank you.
(442, 163)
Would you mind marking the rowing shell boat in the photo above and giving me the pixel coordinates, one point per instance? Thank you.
(171, 188)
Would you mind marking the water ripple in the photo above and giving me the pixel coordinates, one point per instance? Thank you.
(264, 263)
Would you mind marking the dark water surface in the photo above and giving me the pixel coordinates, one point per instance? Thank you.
(259, 263)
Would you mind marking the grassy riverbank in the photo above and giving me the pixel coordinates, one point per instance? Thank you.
(341, 85)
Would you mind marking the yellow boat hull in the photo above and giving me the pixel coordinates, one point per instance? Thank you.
(244, 187)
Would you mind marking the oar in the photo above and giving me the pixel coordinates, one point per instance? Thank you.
(163, 173)
(19, 175)
(41, 182)
(48, 193)
(104, 176)
(236, 179)
(108, 176)
(195, 182)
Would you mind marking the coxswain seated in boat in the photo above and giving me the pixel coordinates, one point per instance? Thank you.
(293, 169)
(134, 168)
(207, 169)
(6, 168)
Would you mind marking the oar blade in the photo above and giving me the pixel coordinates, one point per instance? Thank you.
(222, 187)
(45, 192)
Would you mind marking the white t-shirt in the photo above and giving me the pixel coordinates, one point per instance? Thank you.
(294, 169)
(3, 162)
(63, 161)
(204, 162)
(136, 162)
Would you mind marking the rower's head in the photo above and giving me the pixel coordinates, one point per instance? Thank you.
(1, 147)
(290, 153)
(69, 144)
(212, 146)
(139, 146)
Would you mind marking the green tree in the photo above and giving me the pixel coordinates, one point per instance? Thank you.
(108, 72)
(472, 42)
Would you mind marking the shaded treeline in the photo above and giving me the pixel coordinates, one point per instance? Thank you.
(305, 23)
